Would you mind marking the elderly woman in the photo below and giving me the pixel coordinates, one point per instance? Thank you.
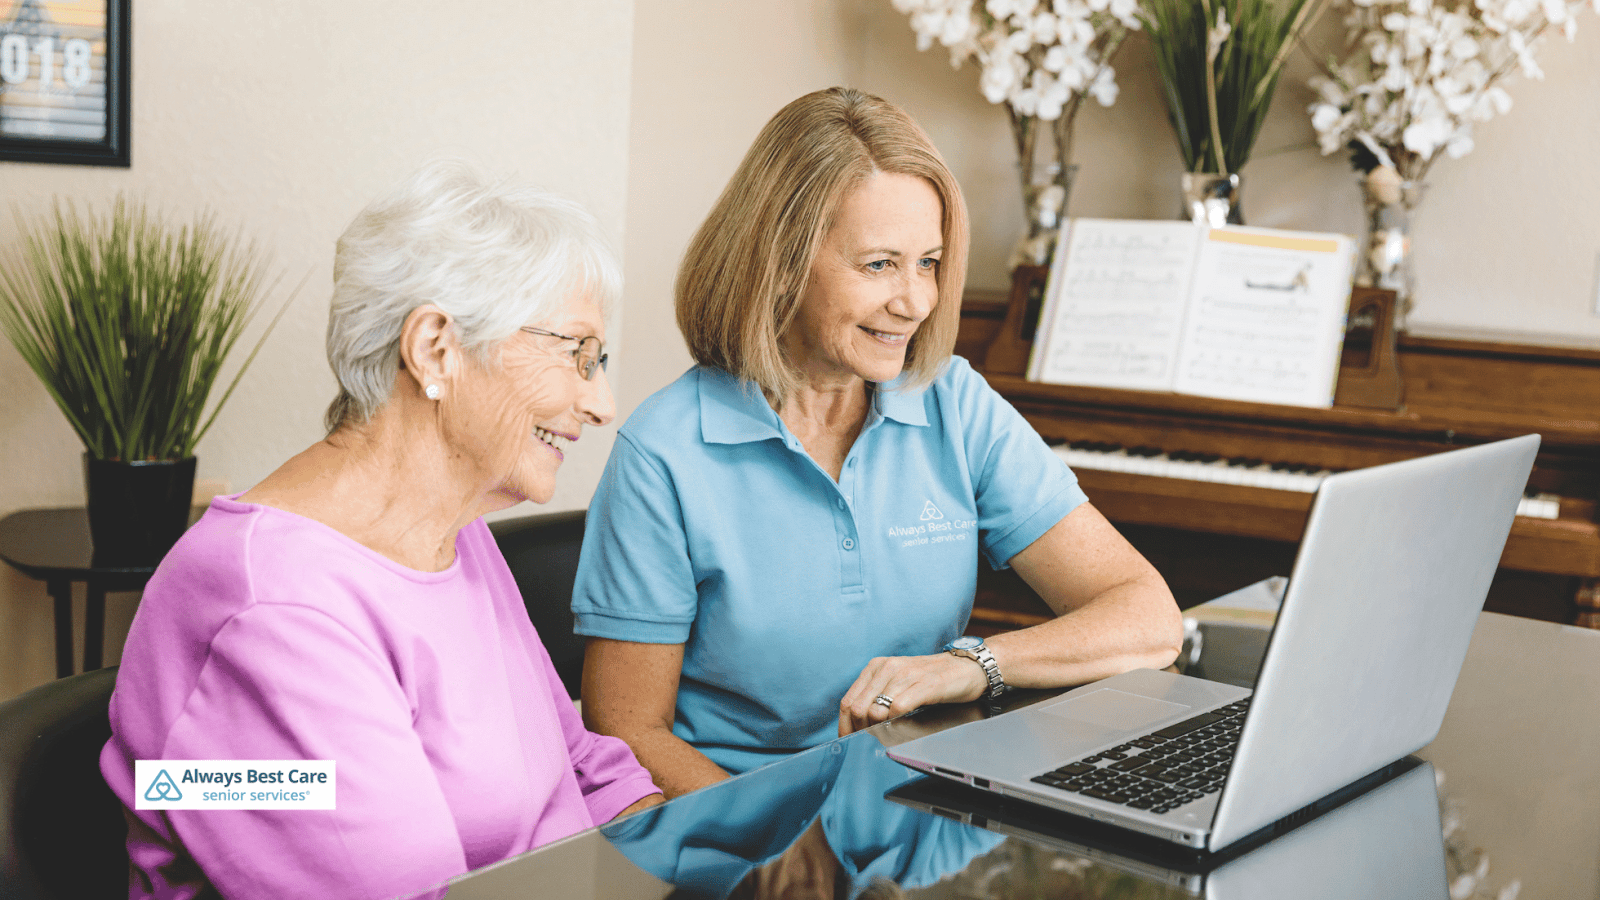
(353, 606)
(785, 541)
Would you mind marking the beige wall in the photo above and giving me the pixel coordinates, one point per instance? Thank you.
(286, 118)
(705, 79)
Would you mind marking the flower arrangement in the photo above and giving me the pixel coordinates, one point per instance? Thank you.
(1040, 58)
(1416, 77)
(1418, 74)
(1219, 62)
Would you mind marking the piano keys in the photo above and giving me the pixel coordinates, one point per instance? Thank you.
(1211, 468)
(1216, 492)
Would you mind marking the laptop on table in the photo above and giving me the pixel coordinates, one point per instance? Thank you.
(1392, 571)
(1384, 840)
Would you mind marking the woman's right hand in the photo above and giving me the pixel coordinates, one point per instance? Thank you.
(908, 682)
(630, 691)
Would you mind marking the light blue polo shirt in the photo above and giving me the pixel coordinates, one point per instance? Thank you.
(714, 529)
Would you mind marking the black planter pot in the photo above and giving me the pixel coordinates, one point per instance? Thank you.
(137, 510)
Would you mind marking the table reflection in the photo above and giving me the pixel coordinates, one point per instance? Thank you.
(811, 826)
(814, 826)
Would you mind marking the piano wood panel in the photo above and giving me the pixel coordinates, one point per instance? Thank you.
(1215, 537)
(1199, 566)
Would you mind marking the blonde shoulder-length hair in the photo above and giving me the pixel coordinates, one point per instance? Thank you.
(739, 286)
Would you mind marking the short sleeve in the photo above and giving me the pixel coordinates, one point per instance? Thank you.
(608, 773)
(288, 682)
(635, 581)
(1022, 488)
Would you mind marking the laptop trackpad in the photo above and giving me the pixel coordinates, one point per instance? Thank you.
(1111, 708)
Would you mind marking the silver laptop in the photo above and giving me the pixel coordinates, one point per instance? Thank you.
(1383, 841)
(1392, 572)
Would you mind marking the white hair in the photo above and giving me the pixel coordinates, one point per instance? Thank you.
(493, 256)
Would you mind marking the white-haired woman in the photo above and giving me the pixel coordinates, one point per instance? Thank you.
(787, 537)
(353, 606)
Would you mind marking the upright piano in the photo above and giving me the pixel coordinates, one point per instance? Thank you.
(1215, 493)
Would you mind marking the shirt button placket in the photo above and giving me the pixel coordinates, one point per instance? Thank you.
(850, 557)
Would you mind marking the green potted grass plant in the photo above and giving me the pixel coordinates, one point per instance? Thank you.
(127, 319)
(1219, 62)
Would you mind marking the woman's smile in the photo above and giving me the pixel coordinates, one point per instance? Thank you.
(889, 338)
(555, 440)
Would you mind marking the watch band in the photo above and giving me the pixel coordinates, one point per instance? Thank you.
(991, 669)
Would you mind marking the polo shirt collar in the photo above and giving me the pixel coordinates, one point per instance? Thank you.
(736, 412)
(905, 407)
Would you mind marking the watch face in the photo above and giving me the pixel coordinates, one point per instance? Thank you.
(966, 642)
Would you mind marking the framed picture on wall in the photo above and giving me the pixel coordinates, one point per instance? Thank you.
(64, 81)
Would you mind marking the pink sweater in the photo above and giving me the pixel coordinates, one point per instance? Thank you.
(265, 635)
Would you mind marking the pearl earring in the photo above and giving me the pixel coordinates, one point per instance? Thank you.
(431, 392)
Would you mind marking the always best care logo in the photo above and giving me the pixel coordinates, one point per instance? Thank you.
(931, 528)
(234, 784)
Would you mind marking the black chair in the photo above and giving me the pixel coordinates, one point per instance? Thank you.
(542, 551)
(62, 834)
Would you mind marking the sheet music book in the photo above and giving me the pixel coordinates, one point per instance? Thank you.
(1236, 313)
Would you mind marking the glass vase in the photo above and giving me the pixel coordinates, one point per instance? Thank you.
(1211, 199)
(1385, 259)
(1045, 190)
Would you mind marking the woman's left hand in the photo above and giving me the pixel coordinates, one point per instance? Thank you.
(908, 682)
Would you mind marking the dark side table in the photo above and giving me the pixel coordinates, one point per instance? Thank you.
(53, 546)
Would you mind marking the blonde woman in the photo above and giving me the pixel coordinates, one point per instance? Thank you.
(784, 546)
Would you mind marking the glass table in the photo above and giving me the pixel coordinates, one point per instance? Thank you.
(1501, 804)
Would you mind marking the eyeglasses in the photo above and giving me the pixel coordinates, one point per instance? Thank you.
(591, 353)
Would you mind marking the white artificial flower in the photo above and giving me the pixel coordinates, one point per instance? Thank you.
(1074, 76)
(1104, 89)
(1464, 47)
(1424, 136)
(1325, 116)
(1496, 103)
(1218, 34)
(1043, 28)
(957, 29)
(1053, 97)
(1420, 72)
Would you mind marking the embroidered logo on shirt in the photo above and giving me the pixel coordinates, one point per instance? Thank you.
(933, 528)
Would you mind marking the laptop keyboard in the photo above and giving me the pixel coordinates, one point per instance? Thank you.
(1162, 770)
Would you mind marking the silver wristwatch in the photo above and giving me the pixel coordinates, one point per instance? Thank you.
(974, 649)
